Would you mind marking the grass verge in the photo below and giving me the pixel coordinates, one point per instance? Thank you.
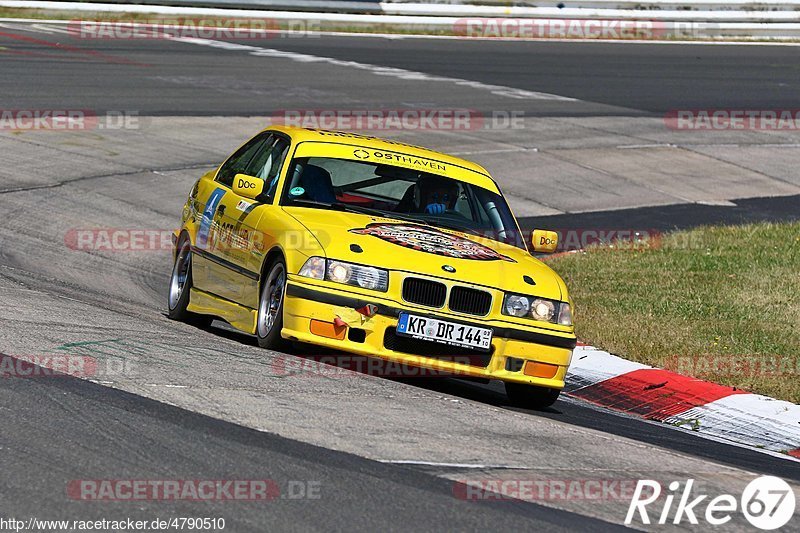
(720, 303)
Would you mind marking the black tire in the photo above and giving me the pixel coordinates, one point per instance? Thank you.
(180, 284)
(269, 319)
(531, 396)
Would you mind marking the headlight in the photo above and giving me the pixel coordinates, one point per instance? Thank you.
(367, 277)
(543, 309)
(516, 305)
(537, 309)
(339, 272)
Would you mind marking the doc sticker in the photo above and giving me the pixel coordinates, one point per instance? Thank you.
(431, 241)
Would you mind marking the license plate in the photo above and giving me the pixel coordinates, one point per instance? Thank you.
(443, 332)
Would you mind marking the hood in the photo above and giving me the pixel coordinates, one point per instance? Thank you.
(410, 247)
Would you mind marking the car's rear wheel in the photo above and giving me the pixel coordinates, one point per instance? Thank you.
(270, 307)
(180, 284)
(531, 396)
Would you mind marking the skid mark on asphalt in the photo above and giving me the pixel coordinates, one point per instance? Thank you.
(403, 74)
(69, 49)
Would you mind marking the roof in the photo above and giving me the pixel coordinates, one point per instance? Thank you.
(367, 141)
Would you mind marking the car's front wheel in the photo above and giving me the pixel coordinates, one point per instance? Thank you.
(531, 396)
(270, 307)
(180, 284)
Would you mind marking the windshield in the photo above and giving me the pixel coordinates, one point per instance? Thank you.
(404, 194)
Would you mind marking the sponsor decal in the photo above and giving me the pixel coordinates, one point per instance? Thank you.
(400, 160)
(243, 206)
(208, 216)
(409, 161)
(431, 241)
(246, 184)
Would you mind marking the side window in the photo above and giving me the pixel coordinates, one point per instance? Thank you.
(478, 211)
(238, 163)
(267, 165)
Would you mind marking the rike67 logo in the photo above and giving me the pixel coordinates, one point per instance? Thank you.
(767, 502)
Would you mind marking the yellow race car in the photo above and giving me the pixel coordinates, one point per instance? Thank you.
(377, 248)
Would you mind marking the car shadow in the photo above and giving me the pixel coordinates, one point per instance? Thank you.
(491, 393)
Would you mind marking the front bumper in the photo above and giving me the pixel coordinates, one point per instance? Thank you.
(512, 347)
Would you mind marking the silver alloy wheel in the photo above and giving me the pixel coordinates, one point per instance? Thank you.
(180, 274)
(271, 299)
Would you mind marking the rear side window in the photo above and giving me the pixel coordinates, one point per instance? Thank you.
(267, 163)
(238, 163)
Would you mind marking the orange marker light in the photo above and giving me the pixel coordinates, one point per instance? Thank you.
(327, 329)
(540, 370)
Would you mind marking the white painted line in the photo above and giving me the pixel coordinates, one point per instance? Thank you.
(378, 70)
(451, 465)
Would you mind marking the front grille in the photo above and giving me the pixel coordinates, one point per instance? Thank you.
(455, 354)
(470, 301)
(424, 292)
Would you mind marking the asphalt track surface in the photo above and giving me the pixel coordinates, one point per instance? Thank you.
(170, 78)
(61, 422)
(234, 423)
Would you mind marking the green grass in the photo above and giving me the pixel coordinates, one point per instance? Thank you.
(721, 303)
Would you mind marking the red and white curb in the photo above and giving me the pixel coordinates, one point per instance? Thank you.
(712, 410)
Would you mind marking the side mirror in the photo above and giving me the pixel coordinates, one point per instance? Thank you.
(247, 186)
(544, 241)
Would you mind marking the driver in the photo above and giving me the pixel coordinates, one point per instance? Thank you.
(436, 194)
